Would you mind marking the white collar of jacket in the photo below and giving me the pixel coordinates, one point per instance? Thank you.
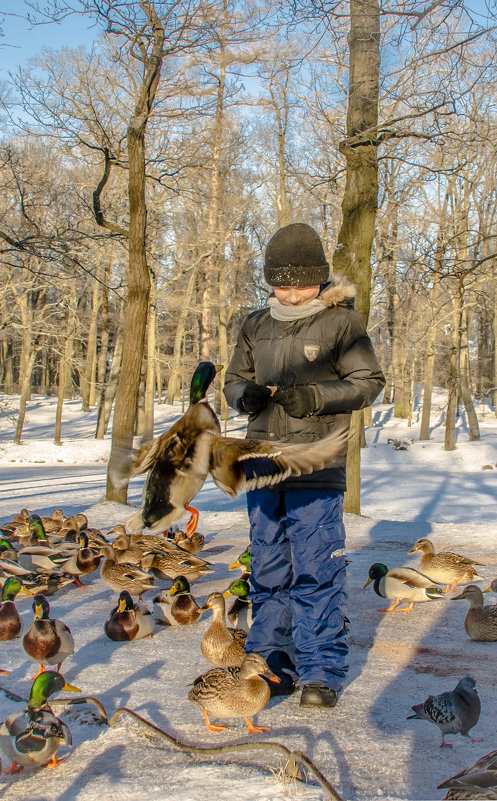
(338, 290)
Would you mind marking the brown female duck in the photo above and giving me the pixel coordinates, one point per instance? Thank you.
(445, 567)
(234, 692)
(220, 645)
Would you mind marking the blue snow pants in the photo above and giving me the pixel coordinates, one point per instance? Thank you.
(298, 583)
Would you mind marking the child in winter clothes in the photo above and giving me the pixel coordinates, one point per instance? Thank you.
(313, 346)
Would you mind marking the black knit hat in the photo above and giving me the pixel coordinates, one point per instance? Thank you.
(295, 257)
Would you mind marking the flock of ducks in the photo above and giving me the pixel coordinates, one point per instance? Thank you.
(129, 565)
(408, 585)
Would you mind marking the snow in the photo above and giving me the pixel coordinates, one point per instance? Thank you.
(365, 746)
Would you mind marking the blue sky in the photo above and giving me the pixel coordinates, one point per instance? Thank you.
(21, 41)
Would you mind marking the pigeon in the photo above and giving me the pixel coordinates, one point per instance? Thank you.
(477, 781)
(454, 712)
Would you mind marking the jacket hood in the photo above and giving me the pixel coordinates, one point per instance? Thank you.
(338, 290)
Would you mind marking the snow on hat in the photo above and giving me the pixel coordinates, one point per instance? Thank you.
(295, 257)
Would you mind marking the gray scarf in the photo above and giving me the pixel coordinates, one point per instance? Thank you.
(290, 313)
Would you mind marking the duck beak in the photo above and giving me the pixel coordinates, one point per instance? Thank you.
(70, 688)
(413, 550)
(234, 565)
(24, 591)
(489, 589)
(226, 594)
(171, 591)
(122, 606)
(218, 368)
(38, 612)
(367, 582)
(270, 675)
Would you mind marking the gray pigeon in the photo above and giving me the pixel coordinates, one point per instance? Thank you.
(454, 712)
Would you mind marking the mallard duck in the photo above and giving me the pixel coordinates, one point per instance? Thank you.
(129, 621)
(7, 550)
(478, 781)
(127, 553)
(81, 563)
(445, 567)
(234, 692)
(177, 606)
(123, 576)
(169, 565)
(47, 641)
(33, 533)
(45, 583)
(33, 737)
(481, 621)
(10, 621)
(53, 522)
(402, 584)
(192, 544)
(240, 612)
(179, 461)
(243, 562)
(220, 645)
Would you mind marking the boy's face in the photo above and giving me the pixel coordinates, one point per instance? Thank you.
(295, 295)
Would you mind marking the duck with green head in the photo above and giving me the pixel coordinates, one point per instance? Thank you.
(33, 533)
(177, 606)
(10, 621)
(402, 585)
(179, 461)
(129, 621)
(240, 611)
(47, 641)
(243, 562)
(32, 737)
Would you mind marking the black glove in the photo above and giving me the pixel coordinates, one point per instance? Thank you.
(255, 398)
(299, 401)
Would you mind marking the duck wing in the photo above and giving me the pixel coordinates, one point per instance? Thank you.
(238, 465)
(411, 577)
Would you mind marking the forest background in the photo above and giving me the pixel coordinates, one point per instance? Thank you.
(142, 175)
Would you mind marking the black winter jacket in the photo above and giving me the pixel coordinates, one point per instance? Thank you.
(330, 350)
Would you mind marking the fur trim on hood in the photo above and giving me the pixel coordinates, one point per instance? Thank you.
(339, 290)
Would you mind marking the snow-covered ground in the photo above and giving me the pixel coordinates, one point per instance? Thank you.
(365, 746)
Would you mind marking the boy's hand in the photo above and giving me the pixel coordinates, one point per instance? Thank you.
(255, 398)
(299, 401)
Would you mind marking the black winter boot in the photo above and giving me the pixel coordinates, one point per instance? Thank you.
(319, 696)
(286, 686)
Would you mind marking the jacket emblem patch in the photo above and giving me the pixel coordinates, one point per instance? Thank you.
(311, 352)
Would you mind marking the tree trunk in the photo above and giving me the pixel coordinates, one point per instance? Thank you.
(138, 274)
(211, 262)
(465, 372)
(431, 336)
(453, 378)
(8, 371)
(352, 256)
(111, 387)
(88, 373)
(148, 415)
(173, 385)
(63, 358)
(25, 394)
(104, 337)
